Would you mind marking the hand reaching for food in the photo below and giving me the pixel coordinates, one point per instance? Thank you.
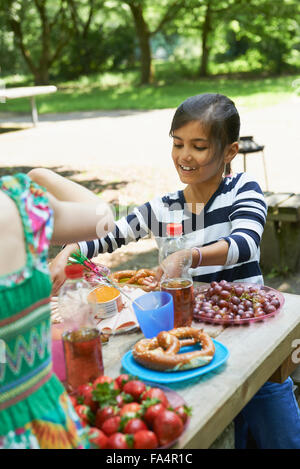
(175, 264)
(57, 267)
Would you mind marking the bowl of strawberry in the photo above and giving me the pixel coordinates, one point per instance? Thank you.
(126, 413)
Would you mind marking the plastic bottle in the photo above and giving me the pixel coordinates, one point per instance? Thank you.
(176, 278)
(81, 338)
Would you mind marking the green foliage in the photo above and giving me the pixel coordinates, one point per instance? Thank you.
(97, 52)
(65, 39)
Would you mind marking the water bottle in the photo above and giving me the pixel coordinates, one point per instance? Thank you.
(81, 338)
(176, 278)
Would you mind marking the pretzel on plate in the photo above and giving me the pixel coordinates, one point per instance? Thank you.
(161, 352)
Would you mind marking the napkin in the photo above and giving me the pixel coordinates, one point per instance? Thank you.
(126, 319)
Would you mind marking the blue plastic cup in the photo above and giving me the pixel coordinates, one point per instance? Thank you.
(157, 314)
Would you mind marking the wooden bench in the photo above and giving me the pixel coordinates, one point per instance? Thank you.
(27, 92)
(280, 246)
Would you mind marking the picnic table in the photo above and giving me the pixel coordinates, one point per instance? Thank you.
(27, 91)
(257, 351)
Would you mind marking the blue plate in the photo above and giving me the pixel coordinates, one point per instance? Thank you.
(134, 368)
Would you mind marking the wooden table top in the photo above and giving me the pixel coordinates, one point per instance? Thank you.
(256, 351)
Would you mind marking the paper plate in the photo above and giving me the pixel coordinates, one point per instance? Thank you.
(134, 368)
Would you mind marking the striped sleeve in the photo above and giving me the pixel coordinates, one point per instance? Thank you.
(248, 217)
(131, 228)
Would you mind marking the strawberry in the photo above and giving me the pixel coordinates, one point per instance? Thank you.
(184, 412)
(85, 395)
(120, 441)
(121, 380)
(104, 414)
(167, 426)
(135, 388)
(145, 439)
(97, 438)
(157, 393)
(152, 412)
(84, 413)
(105, 379)
(134, 425)
(132, 410)
(111, 425)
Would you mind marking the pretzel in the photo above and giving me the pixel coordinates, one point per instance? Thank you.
(143, 277)
(140, 275)
(161, 352)
(123, 274)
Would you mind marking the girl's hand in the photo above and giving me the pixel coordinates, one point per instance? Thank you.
(57, 267)
(175, 264)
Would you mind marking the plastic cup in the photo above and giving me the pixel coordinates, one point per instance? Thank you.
(157, 314)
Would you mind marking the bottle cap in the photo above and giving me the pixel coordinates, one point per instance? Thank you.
(174, 229)
(74, 271)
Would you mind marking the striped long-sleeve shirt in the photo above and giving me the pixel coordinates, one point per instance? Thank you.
(236, 212)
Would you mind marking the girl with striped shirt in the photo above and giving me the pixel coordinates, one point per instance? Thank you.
(223, 221)
(236, 213)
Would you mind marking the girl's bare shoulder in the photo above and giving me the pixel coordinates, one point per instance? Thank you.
(9, 212)
(12, 252)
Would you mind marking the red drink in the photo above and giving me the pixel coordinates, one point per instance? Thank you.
(83, 356)
(183, 298)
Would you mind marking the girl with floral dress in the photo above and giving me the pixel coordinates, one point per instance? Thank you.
(35, 411)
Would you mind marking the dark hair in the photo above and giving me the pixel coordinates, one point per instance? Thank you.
(218, 115)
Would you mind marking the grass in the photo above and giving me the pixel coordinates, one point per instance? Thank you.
(120, 91)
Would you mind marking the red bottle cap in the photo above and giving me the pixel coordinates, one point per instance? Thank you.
(174, 229)
(74, 270)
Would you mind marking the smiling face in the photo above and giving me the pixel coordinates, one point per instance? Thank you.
(193, 156)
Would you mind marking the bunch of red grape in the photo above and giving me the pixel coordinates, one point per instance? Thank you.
(225, 302)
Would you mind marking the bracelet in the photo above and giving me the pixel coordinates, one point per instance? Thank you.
(200, 256)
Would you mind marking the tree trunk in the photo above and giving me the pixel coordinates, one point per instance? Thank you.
(206, 29)
(41, 76)
(144, 42)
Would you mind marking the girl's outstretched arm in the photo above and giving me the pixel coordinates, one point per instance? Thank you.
(78, 213)
(61, 187)
(75, 221)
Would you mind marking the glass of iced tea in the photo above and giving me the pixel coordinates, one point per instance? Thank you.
(83, 356)
(182, 291)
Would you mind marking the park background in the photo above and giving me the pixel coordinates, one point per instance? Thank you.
(121, 67)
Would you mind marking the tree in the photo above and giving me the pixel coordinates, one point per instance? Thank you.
(267, 24)
(165, 12)
(43, 28)
(273, 31)
(214, 12)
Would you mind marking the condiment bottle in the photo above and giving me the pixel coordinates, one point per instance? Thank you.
(176, 278)
(81, 338)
